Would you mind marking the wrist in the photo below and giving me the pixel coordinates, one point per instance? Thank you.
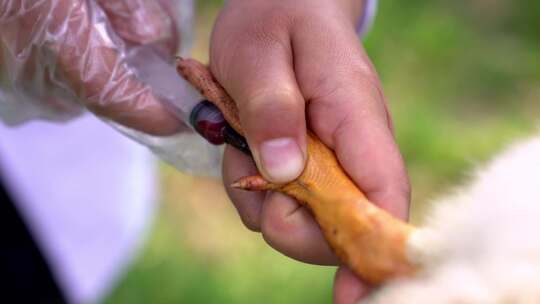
(367, 17)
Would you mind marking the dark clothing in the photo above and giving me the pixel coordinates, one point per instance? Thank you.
(26, 277)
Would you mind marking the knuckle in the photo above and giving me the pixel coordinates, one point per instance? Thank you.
(263, 37)
(261, 113)
(249, 216)
(273, 229)
(267, 98)
(347, 78)
(268, 29)
(251, 223)
(277, 224)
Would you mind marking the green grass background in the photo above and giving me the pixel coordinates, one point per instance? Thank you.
(463, 80)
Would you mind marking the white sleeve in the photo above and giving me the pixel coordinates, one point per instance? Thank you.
(368, 17)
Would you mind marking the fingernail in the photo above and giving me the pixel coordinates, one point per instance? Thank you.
(281, 159)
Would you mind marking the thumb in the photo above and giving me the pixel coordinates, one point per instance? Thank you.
(271, 107)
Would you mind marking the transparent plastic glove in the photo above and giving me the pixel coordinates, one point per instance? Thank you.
(113, 57)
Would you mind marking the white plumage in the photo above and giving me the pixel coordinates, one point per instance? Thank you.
(481, 244)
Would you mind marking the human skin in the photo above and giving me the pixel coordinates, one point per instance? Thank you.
(273, 57)
(290, 66)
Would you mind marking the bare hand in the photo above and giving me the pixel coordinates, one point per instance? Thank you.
(296, 64)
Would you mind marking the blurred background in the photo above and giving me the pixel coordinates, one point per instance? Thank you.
(463, 80)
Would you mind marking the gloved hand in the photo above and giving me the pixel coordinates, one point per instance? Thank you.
(59, 55)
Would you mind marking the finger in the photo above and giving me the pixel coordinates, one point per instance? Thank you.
(348, 288)
(256, 69)
(95, 71)
(347, 111)
(292, 230)
(142, 22)
(248, 204)
(285, 225)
